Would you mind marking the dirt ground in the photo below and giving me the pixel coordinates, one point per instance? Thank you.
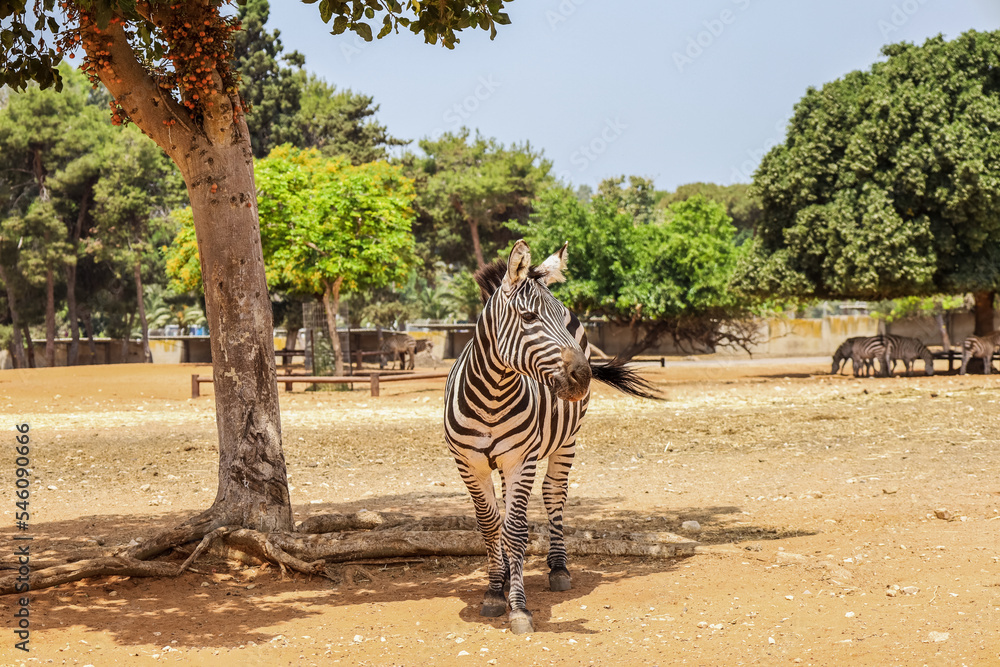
(816, 497)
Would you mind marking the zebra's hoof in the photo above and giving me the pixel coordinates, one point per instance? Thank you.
(559, 580)
(494, 604)
(520, 621)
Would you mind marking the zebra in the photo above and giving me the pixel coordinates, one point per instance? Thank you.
(842, 354)
(864, 352)
(515, 397)
(908, 350)
(982, 347)
(404, 347)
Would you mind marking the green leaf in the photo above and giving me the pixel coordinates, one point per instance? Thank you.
(364, 30)
(326, 10)
(386, 27)
(104, 11)
(340, 24)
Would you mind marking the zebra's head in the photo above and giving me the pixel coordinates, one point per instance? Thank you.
(531, 337)
(928, 358)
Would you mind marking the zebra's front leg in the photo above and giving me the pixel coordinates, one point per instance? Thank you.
(479, 481)
(554, 490)
(515, 540)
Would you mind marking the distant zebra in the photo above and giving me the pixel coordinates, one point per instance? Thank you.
(864, 352)
(908, 350)
(516, 396)
(843, 353)
(404, 347)
(982, 347)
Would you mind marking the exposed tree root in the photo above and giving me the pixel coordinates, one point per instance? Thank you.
(340, 538)
(93, 567)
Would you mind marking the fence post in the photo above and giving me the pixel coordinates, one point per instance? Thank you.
(195, 387)
(375, 387)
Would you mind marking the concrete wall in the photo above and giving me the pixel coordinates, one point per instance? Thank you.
(800, 337)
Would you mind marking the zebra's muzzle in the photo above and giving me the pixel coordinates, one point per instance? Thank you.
(574, 381)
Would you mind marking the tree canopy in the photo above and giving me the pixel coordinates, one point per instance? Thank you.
(887, 183)
(661, 272)
(743, 208)
(470, 187)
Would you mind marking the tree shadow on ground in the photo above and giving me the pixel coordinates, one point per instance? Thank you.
(222, 605)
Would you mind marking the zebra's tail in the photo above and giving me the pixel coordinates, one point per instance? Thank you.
(615, 374)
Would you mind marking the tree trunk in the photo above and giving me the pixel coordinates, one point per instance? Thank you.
(127, 339)
(71, 310)
(215, 158)
(50, 318)
(381, 340)
(253, 485)
(331, 304)
(74, 327)
(291, 338)
(29, 345)
(88, 324)
(147, 356)
(476, 246)
(15, 319)
(984, 312)
(943, 326)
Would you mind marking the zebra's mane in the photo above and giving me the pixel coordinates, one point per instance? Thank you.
(490, 276)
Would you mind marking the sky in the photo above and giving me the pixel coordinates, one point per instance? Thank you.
(673, 91)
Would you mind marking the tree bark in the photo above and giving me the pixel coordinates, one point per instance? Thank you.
(88, 324)
(73, 355)
(331, 304)
(984, 312)
(147, 356)
(477, 247)
(15, 318)
(127, 338)
(71, 310)
(253, 486)
(215, 158)
(29, 345)
(943, 326)
(50, 318)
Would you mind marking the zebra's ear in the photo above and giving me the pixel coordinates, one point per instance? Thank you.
(518, 265)
(552, 268)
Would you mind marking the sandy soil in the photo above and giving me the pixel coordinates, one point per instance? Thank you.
(816, 496)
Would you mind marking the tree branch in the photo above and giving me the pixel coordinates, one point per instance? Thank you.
(132, 86)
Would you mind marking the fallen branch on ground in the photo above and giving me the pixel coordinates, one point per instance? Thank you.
(343, 538)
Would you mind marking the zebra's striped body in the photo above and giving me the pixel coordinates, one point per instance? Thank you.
(515, 397)
(864, 352)
(908, 350)
(404, 347)
(982, 347)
